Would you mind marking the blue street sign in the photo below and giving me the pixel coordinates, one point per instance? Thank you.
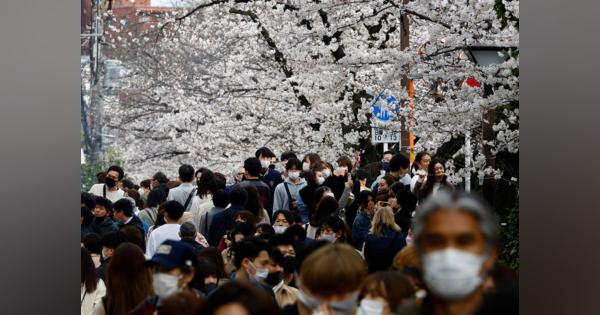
(381, 105)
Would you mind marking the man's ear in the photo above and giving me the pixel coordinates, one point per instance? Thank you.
(491, 259)
(188, 276)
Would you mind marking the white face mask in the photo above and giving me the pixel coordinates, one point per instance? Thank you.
(331, 238)
(165, 284)
(261, 274)
(265, 163)
(451, 273)
(141, 192)
(293, 175)
(104, 253)
(320, 180)
(370, 307)
(326, 173)
(279, 229)
(306, 166)
(409, 239)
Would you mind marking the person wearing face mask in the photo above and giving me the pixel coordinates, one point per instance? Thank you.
(110, 189)
(284, 293)
(333, 230)
(103, 223)
(284, 158)
(313, 192)
(329, 280)
(109, 243)
(399, 171)
(380, 167)
(145, 188)
(337, 175)
(287, 194)
(456, 239)
(173, 271)
(285, 245)
(383, 292)
(308, 161)
(251, 259)
(252, 178)
(269, 175)
(281, 221)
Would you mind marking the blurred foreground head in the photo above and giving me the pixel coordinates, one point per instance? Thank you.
(456, 238)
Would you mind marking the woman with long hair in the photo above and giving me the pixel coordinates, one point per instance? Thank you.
(128, 281)
(205, 179)
(437, 179)
(92, 287)
(149, 215)
(385, 239)
(254, 205)
(419, 167)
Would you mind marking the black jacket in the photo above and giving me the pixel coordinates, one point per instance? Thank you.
(137, 223)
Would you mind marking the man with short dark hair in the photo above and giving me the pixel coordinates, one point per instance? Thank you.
(224, 220)
(251, 260)
(159, 181)
(399, 169)
(187, 232)
(252, 169)
(269, 175)
(220, 200)
(126, 184)
(123, 213)
(110, 188)
(284, 244)
(102, 223)
(167, 231)
(290, 188)
(184, 192)
(93, 243)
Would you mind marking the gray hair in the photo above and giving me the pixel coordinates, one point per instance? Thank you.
(457, 201)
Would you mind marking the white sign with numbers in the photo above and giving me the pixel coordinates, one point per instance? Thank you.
(380, 135)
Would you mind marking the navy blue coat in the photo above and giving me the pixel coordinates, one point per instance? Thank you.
(380, 251)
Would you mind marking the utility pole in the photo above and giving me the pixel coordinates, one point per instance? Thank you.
(405, 135)
(92, 111)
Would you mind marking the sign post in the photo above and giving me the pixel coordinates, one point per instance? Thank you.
(381, 109)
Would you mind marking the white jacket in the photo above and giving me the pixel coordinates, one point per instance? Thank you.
(90, 300)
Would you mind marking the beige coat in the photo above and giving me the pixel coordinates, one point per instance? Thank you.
(91, 300)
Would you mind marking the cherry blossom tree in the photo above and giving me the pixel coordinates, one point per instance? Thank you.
(210, 84)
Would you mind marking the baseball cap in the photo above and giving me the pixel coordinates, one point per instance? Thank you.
(173, 254)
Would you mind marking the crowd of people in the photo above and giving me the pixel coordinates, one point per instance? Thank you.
(292, 236)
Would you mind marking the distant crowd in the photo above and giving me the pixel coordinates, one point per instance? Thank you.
(292, 236)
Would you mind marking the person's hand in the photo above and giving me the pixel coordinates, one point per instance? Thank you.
(323, 309)
(349, 183)
(421, 177)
